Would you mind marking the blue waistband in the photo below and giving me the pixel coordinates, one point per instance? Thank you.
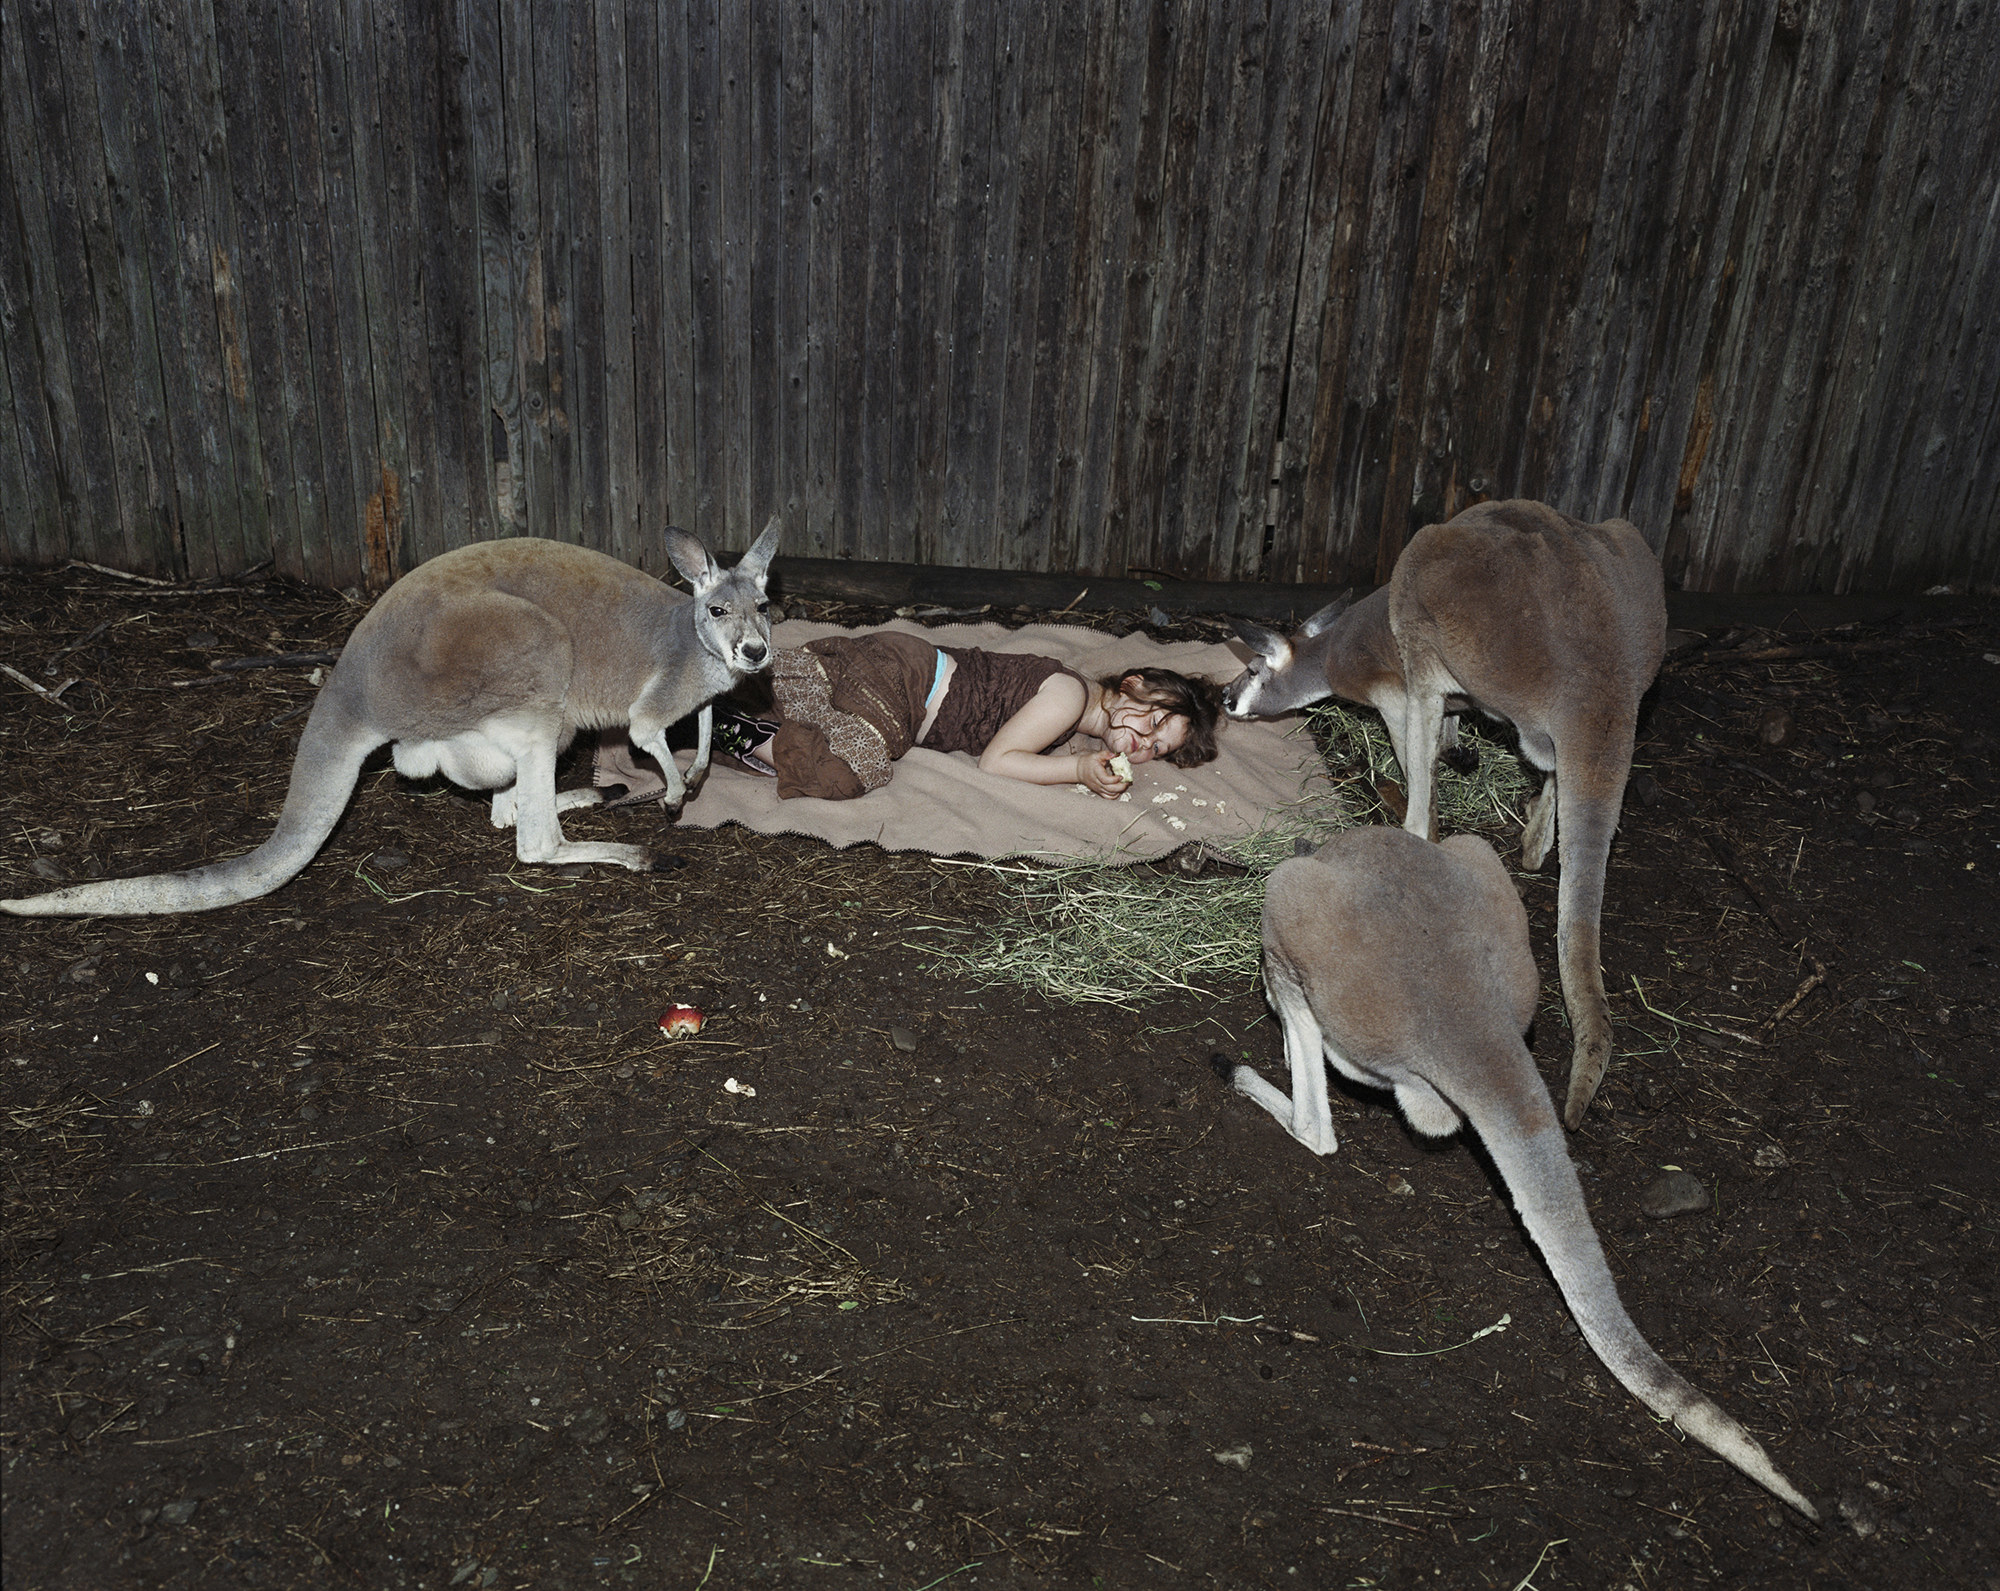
(937, 679)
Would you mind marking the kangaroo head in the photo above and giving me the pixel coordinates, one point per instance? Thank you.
(1268, 686)
(732, 613)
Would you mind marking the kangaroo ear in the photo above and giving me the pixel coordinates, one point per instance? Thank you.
(1321, 620)
(1267, 644)
(756, 563)
(690, 557)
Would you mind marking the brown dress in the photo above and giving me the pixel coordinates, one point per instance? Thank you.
(853, 704)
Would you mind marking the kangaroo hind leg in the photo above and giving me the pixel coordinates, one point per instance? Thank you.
(538, 834)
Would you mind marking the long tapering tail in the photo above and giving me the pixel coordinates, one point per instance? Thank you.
(1538, 1172)
(331, 751)
(1589, 789)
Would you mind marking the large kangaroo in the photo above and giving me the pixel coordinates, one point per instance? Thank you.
(482, 665)
(1360, 939)
(1527, 615)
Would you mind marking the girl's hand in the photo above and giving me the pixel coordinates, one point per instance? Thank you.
(1095, 773)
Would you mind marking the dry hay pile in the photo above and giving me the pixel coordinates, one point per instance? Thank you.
(1124, 935)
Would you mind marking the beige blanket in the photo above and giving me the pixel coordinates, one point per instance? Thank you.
(940, 802)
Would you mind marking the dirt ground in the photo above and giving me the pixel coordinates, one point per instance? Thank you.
(371, 1234)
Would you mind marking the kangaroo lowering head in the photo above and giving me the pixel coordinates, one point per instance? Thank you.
(1285, 675)
(732, 612)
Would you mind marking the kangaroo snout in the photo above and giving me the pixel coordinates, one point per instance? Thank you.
(754, 653)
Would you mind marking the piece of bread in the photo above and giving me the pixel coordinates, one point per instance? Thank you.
(1122, 766)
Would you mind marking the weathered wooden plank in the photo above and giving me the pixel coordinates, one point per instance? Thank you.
(1246, 517)
(1333, 459)
(1796, 240)
(202, 362)
(678, 266)
(1676, 420)
(257, 129)
(896, 250)
(936, 295)
(643, 473)
(499, 483)
(792, 356)
(65, 316)
(616, 529)
(583, 319)
(455, 502)
(827, 394)
(19, 504)
(993, 41)
(1609, 384)
(327, 245)
(35, 364)
(1439, 484)
(1270, 226)
(1227, 156)
(1303, 469)
(735, 181)
(546, 360)
(111, 50)
(1121, 380)
(1123, 44)
(377, 129)
(709, 254)
(1038, 336)
(108, 285)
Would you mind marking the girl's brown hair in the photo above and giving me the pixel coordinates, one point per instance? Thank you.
(1192, 697)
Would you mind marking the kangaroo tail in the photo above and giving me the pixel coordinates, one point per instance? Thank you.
(1536, 1166)
(329, 761)
(1588, 790)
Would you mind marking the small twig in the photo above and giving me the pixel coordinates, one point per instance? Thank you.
(1818, 977)
(1527, 1579)
(231, 665)
(52, 696)
(1219, 1320)
(119, 574)
(84, 640)
(1788, 654)
(1073, 601)
(1424, 1353)
(1682, 1022)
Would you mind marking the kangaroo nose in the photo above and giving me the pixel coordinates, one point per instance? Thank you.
(753, 651)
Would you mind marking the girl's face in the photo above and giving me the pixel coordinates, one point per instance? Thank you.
(1142, 731)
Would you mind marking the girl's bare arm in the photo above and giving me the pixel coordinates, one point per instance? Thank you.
(1015, 751)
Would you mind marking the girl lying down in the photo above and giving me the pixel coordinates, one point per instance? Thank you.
(849, 706)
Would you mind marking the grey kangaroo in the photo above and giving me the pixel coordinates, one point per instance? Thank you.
(1524, 614)
(1360, 941)
(482, 665)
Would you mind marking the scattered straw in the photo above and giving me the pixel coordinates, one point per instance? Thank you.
(1123, 935)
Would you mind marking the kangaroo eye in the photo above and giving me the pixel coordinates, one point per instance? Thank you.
(763, 607)
(716, 613)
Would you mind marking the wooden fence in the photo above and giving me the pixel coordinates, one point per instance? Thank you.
(1225, 290)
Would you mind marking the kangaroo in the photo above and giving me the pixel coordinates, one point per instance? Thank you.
(481, 665)
(1359, 940)
(1528, 615)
